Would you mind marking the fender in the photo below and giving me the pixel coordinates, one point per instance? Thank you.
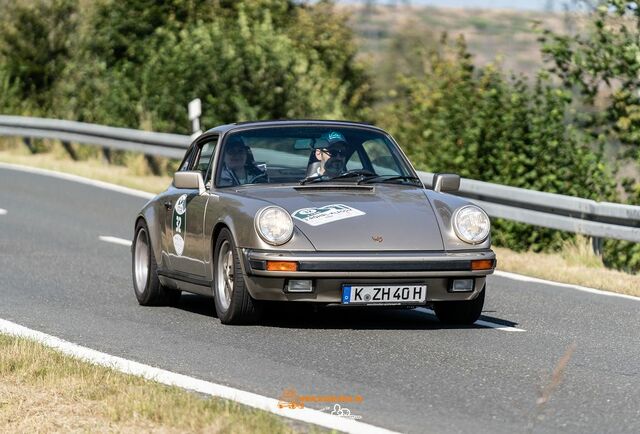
(153, 215)
(445, 205)
(238, 216)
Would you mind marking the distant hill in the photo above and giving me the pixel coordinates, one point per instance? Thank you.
(491, 34)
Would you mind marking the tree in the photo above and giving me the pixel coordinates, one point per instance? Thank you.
(485, 126)
(602, 64)
(254, 72)
(140, 62)
(325, 38)
(35, 47)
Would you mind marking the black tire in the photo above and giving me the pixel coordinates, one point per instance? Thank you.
(235, 306)
(147, 287)
(459, 312)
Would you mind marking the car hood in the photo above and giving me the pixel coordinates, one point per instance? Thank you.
(351, 218)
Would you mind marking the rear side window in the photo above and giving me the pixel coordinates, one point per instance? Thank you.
(204, 157)
(186, 163)
(199, 158)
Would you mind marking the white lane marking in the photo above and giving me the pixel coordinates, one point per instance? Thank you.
(523, 278)
(115, 240)
(483, 323)
(3, 211)
(79, 179)
(173, 379)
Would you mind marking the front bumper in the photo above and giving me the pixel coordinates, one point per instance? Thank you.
(330, 270)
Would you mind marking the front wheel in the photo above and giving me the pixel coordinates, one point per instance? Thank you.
(460, 312)
(234, 304)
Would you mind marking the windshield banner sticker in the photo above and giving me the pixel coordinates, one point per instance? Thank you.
(179, 222)
(326, 214)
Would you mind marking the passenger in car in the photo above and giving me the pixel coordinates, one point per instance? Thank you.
(238, 165)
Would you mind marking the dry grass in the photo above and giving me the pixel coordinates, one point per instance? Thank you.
(134, 175)
(575, 264)
(42, 390)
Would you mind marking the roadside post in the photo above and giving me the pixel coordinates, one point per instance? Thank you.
(195, 110)
(597, 245)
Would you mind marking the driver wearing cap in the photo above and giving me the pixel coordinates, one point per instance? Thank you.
(331, 156)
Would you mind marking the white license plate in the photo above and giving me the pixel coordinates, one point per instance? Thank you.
(384, 294)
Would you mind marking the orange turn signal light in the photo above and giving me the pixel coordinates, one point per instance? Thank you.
(282, 266)
(482, 264)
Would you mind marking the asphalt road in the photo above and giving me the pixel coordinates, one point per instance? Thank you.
(57, 277)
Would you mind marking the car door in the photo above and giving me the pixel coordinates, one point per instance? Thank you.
(185, 221)
(171, 243)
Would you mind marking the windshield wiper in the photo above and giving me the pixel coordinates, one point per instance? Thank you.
(313, 178)
(381, 178)
(360, 173)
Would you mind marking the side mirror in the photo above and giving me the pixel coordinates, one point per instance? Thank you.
(446, 182)
(190, 180)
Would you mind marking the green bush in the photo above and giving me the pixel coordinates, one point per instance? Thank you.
(601, 66)
(139, 63)
(35, 48)
(10, 99)
(485, 126)
(244, 70)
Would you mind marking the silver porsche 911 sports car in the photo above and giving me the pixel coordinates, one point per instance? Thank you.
(310, 212)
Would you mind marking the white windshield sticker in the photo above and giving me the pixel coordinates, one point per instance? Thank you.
(326, 214)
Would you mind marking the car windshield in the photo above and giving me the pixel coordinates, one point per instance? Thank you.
(306, 154)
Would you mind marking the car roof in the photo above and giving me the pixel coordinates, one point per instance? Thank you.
(289, 122)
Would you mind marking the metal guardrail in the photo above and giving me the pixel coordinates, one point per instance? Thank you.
(146, 142)
(550, 210)
(555, 211)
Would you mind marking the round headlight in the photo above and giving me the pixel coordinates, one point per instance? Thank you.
(471, 224)
(274, 225)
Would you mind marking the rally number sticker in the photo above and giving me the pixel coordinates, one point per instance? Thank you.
(326, 214)
(179, 223)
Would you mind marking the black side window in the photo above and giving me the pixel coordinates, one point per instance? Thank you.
(204, 157)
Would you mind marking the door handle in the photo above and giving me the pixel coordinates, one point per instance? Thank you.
(168, 205)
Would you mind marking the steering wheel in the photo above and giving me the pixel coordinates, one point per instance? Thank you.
(334, 167)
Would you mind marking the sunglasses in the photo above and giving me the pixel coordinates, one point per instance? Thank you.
(335, 152)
